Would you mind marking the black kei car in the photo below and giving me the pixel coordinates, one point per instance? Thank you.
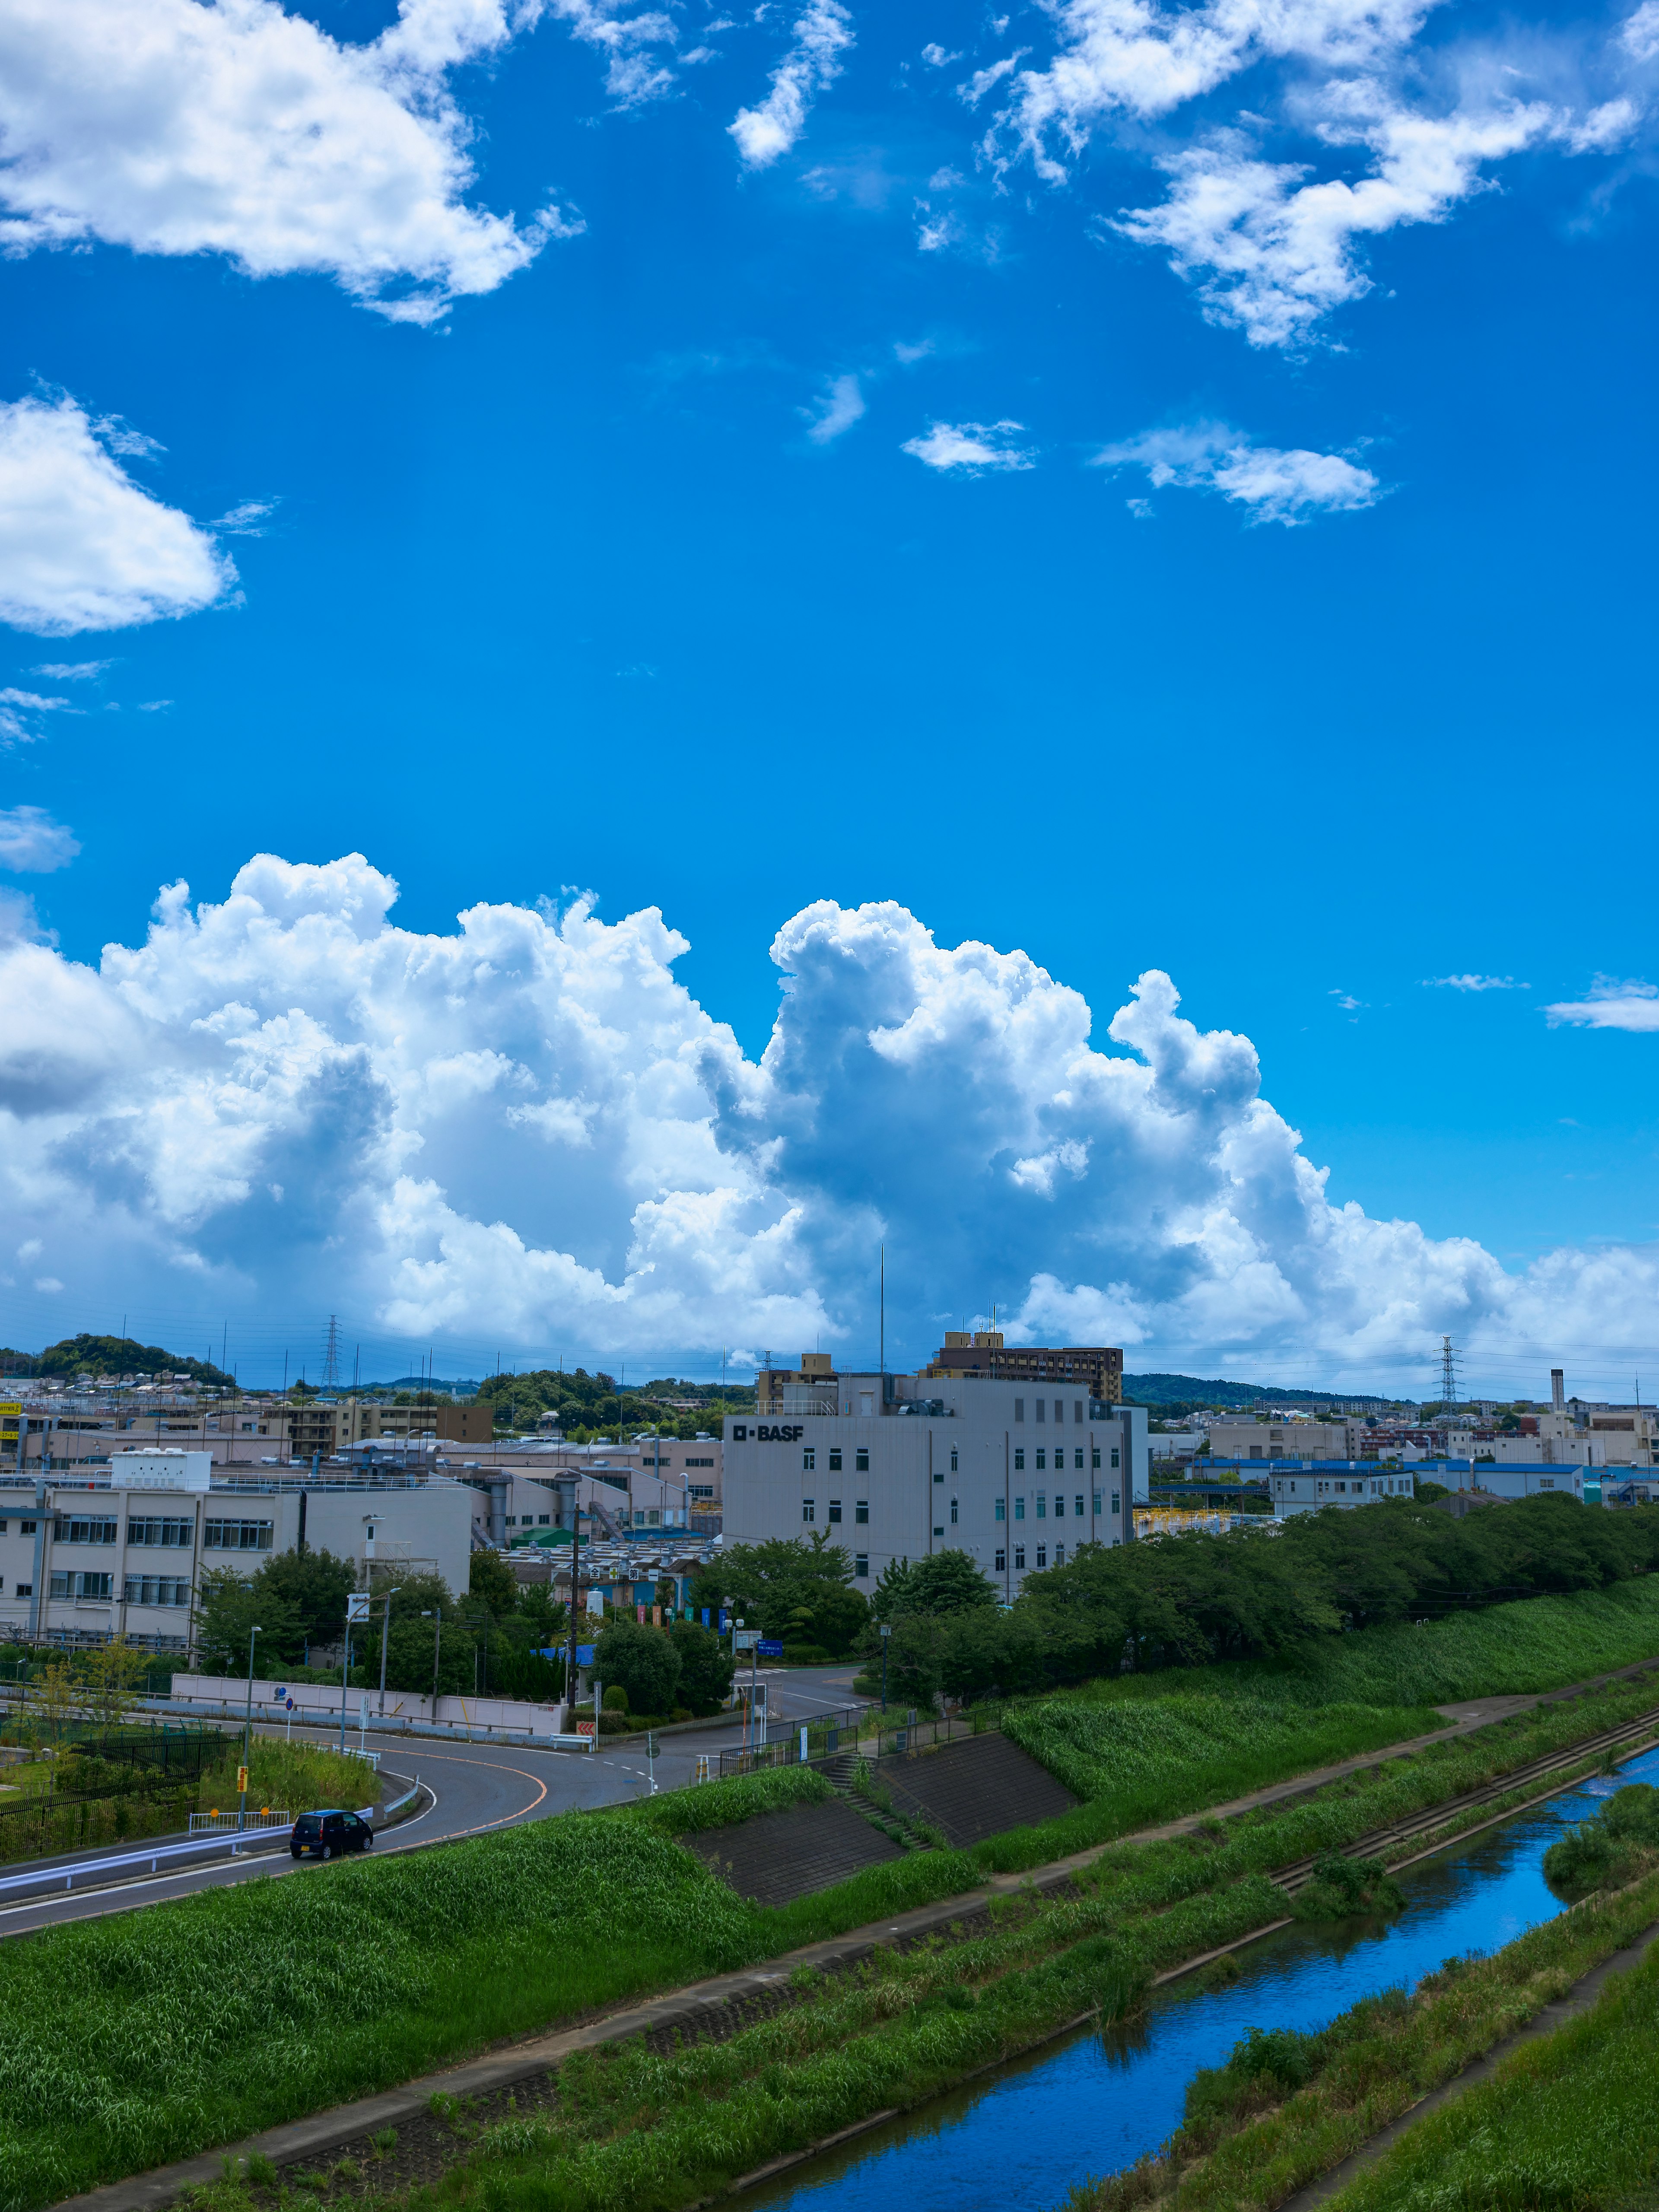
(328, 1833)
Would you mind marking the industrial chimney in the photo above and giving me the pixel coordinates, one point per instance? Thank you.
(1557, 1390)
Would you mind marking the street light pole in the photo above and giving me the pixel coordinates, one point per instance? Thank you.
(247, 1734)
(385, 1638)
(436, 1617)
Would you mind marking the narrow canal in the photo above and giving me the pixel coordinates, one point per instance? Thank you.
(1018, 2140)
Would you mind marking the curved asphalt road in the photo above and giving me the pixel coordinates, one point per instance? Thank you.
(467, 1789)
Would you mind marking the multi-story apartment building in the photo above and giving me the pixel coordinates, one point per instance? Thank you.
(894, 1468)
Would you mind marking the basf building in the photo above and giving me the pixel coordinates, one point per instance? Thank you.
(1014, 1456)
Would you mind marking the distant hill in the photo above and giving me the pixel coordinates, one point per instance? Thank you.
(120, 1355)
(1197, 1390)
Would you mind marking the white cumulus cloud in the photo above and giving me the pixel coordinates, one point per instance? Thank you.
(31, 843)
(82, 546)
(234, 127)
(822, 33)
(971, 448)
(1610, 1004)
(1272, 484)
(526, 1132)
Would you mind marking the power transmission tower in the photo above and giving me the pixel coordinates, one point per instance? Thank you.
(331, 1356)
(1448, 1396)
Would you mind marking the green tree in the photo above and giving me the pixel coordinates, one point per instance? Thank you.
(945, 1582)
(706, 1666)
(109, 1677)
(490, 1580)
(793, 1590)
(227, 1609)
(311, 1586)
(642, 1661)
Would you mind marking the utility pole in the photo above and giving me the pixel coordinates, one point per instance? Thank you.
(247, 1734)
(884, 1324)
(385, 1638)
(575, 1587)
(436, 1617)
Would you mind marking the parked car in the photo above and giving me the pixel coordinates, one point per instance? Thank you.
(325, 1834)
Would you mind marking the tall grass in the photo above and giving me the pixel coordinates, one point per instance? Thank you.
(1570, 2121)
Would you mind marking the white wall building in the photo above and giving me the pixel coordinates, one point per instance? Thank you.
(91, 1559)
(1347, 1483)
(1015, 1475)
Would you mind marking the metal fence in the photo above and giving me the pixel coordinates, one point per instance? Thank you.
(223, 1824)
(863, 1729)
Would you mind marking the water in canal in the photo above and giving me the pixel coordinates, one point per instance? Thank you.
(1018, 2141)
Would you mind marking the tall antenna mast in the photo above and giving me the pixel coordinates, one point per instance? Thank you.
(884, 1313)
(331, 1355)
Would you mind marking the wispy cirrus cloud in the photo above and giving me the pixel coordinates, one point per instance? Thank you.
(822, 34)
(1610, 1004)
(1474, 983)
(1271, 483)
(971, 448)
(31, 843)
(837, 407)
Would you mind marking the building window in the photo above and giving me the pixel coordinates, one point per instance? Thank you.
(808, 1510)
(1116, 1505)
(1060, 1505)
(236, 1536)
(835, 1459)
(861, 1512)
(938, 1532)
(1042, 1555)
(88, 1531)
(1060, 1555)
(1042, 1405)
(938, 1474)
(1001, 1510)
(1114, 1454)
(545, 1519)
(1094, 1459)
(1020, 1409)
(1043, 1461)
(1019, 1459)
(1019, 1508)
(1546, 1482)
(1077, 1409)
(177, 1535)
(1077, 1459)
(953, 1459)
(1019, 1559)
(953, 1512)
(1097, 1502)
(1002, 1563)
(809, 1460)
(861, 1459)
(79, 1585)
(26, 1589)
(155, 1589)
(861, 1566)
(834, 1509)
(1042, 1505)
(1076, 1505)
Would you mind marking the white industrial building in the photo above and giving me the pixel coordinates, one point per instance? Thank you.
(122, 1554)
(1018, 1474)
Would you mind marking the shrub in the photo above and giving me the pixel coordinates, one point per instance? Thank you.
(706, 1666)
(1611, 1848)
(641, 1661)
(616, 1698)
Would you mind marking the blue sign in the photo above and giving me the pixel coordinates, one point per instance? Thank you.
(769, 1649)
(584, 1654)
(705, 1616)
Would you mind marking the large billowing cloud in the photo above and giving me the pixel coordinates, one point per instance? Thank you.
(234, 127)
(527, 1133)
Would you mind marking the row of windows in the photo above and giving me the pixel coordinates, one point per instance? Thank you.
(809, 1510)
(156, 1589)
(24, 1528)
(137, 1590)
(809, 1460)
(98, 1528)
(236, 1536)
(1039, 1409)
(1059, 1459)
(1040, 1502)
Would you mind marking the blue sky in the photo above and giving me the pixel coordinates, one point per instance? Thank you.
(750, 545)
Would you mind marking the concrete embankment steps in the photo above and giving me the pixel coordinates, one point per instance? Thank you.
(965, 1790)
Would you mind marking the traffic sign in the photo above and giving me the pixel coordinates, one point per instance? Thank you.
(744, 1640)
(357, 1605)
(241, 1780)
